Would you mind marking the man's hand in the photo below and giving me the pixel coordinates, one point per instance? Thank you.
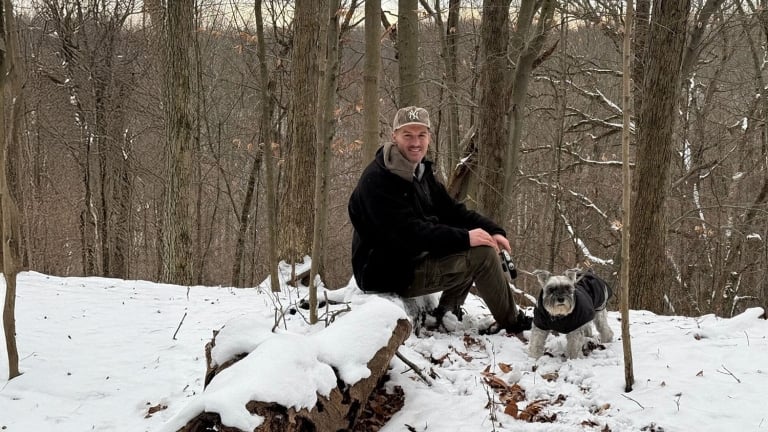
(502, 243)
(480, 237)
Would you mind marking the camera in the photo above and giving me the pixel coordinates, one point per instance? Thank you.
(507, 265)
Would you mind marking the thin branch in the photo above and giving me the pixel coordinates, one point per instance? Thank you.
(638, 403)
(415, 368)
(729, 373)
(179, 326)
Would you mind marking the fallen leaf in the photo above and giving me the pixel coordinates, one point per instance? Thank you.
(552, 376)
(511, 409)
(154, 409)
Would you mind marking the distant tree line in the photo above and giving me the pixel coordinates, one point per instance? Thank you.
(183, 141)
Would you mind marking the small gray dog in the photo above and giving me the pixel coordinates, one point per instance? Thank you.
(569, 304)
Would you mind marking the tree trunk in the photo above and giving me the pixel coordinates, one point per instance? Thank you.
(492, 129)
(267, 108)
(117, 185)
(626, 180)
(640, 44)
(371, 80)
(9, 225)
(297, 209)
(527, 43)
(452, 82)
(245, 216)
(408, 52)
(655, 143)
(445, 158)
(329, 72)
(177, 243)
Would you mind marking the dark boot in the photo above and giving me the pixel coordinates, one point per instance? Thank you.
(522, 322)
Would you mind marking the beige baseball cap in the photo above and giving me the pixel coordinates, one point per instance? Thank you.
(410, 115)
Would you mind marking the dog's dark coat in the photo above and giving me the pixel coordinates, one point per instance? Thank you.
(591, 292)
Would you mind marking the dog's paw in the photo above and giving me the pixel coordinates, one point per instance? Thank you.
(606, 336)
(535, 353)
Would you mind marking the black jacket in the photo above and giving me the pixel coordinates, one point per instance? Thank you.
(591, 294)
(398, 223)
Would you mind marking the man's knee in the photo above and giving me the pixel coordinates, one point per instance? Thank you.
(483, 256)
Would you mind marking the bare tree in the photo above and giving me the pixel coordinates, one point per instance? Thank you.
(90, 69)
(492, 124)
(9, 224)
(177, 242)
(655, 131)
(626, 194)
(267, 109)
(408, 52)
(371, 79)
(526, 45)
(297, 212)
(329, 71)
(500, 118)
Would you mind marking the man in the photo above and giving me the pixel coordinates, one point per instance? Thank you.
(412, 238)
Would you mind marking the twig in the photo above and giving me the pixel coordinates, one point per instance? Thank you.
(730, 373)
(638, 403)
(415, 368)
(180, 323)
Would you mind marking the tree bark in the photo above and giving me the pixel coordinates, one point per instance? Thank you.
(329, 72)
(297, 212)
(492, 125)
(10, 224)
(452, 82)
(371, 80)
(177, 242)
(655, 143)
(527, 43)
(267, 109)
(626, 180)
(640, 44)
(245, 217)
(408, 52)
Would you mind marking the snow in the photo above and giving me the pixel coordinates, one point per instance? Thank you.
(97, 354)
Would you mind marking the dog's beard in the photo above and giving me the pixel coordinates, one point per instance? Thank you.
(559, 309)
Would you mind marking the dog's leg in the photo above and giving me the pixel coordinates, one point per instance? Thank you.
(601, 322)
(575, 342)
(536, 343)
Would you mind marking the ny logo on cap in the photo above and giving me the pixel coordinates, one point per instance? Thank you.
(413, 115)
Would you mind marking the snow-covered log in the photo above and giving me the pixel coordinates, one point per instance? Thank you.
(252, 384)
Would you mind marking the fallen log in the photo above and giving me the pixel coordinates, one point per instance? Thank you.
(337, 409)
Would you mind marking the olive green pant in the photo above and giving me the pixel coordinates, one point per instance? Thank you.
(454, 275)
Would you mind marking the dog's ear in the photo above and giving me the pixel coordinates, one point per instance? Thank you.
(542, 276)
(571, 274)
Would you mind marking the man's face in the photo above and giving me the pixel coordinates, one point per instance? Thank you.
(412, 141)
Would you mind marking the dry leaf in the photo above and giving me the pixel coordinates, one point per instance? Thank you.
(552, 376)
(511, 409)
(517, 393)
(496, 382)
(154, 409)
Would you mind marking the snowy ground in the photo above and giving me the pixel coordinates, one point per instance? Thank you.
(97, 354)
